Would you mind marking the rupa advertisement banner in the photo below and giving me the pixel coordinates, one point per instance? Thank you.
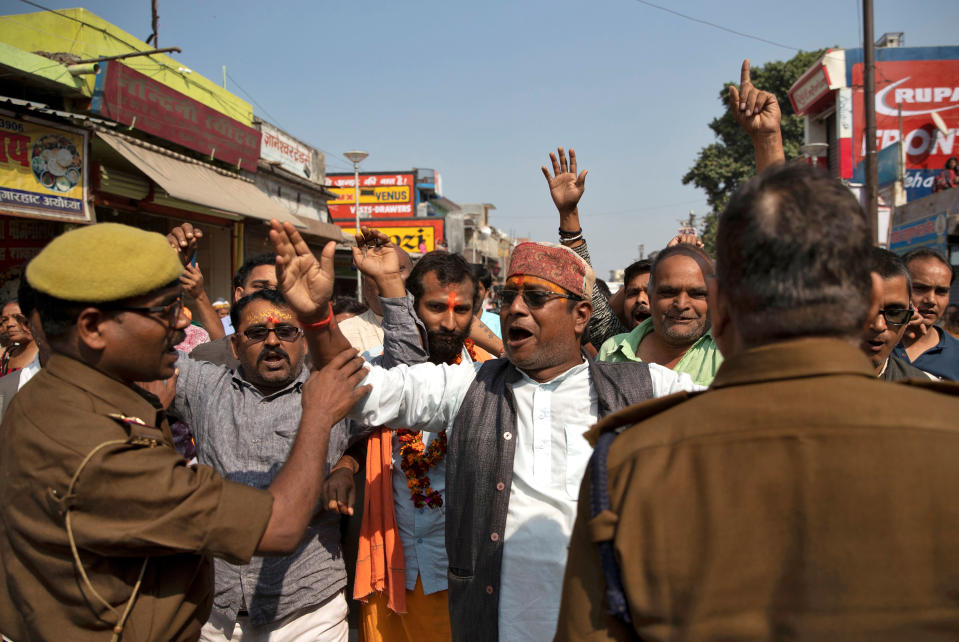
(921, 88)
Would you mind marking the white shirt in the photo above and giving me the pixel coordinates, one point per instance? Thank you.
(29, 370)
(550, 460)
(364, 331)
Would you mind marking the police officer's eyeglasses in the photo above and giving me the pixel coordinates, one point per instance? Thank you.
(535, 298)
(283, 332)
(170, 312)
(896, 316)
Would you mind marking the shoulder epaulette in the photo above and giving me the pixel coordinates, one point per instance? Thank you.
(141, 433)
(635, 413)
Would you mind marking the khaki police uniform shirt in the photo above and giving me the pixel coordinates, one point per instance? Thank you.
(799, 498)
(132, 500)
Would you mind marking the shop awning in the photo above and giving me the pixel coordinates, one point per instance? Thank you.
(198, 183)
(325, 231)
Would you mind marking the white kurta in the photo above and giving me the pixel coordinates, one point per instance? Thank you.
(550, 460)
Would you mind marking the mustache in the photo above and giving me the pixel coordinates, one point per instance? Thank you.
(271, 351)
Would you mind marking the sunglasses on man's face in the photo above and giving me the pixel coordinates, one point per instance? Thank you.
(284, 332)
(896, 316)
(534, 298)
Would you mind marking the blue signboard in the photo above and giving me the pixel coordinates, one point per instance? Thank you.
(925, 232)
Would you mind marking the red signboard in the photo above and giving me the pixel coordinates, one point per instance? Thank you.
(921, 87)
(808, 90)
(418, 236)
(131, 98)
(381, 196)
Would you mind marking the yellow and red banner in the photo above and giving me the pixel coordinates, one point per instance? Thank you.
(43, 171)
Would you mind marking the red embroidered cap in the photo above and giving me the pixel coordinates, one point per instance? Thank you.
(555, 263)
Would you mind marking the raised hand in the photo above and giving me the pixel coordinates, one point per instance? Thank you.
(307, 284)
(566, 187)
(686, 238)
(756, 111)
(183, 238)
(192, 281)
(375, 254)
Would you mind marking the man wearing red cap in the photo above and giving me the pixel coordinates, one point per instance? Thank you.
(515, 431)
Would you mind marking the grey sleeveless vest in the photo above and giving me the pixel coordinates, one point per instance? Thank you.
(479, 474)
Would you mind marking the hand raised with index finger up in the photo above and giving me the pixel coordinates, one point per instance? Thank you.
(756, 111)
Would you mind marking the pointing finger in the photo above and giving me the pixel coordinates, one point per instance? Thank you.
(744, 73)
(572, 160)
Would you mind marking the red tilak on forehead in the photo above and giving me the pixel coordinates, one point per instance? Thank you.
(451, 301)
(272, 319)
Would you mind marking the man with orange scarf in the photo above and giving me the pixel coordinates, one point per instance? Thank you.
(401, 566)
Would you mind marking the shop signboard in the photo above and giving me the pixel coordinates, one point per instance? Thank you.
(808, 90)
(140, 102)
(924, 232)
(381, 196)
(921, 88)
(417, 236)
(279, 148)
(43, 171)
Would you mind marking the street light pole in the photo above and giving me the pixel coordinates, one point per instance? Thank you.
(356, 157)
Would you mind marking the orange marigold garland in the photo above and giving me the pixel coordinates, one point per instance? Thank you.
(416, 459)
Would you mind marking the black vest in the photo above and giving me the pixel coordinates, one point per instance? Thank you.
(479, 474)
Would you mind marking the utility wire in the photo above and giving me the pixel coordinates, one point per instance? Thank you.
(716, 26)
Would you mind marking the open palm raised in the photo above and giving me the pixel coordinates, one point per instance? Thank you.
(307, 284)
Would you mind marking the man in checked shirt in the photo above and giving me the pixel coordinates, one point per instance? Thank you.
(244, 422)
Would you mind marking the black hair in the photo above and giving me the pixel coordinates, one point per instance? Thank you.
(449, 268)
(636, 268)
(239, 279)
(929, 253)
(792, 258)
(348, 304)
(889, 264)
(483, 275)
(272, 296)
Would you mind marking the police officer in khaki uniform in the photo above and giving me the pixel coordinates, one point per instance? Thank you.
(104, 529)
(800, 497)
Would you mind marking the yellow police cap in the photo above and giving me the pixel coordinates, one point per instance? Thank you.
(104, 262)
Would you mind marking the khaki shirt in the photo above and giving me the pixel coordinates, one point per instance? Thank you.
(798, 498)
(132, 500)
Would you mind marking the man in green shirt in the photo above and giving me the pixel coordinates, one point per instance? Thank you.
(677, 334)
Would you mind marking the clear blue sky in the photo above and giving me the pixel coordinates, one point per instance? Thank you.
(482, 91)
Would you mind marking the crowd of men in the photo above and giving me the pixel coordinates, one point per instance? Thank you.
(754, 445)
